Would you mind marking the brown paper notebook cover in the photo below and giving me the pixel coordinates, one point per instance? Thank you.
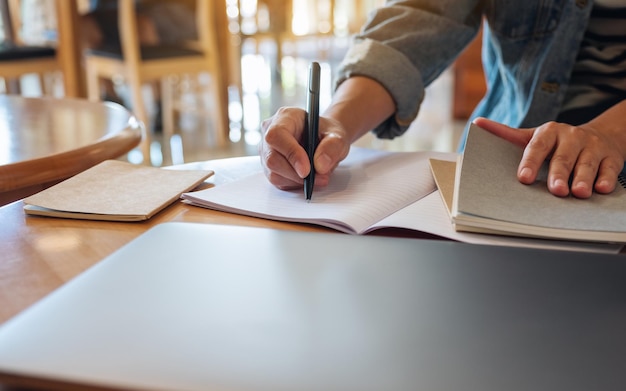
(114, 191)
(444, 172)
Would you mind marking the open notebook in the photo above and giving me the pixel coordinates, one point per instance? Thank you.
(370, 191)
(489, 198)
(368, 186)
(208, 307)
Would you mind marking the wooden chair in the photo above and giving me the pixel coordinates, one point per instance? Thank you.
(138, 65)
(18, 59)
(280, 31)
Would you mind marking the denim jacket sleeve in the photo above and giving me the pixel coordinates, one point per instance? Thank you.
(404, 46)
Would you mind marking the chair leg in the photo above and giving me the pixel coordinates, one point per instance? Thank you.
(43, 84)
(168, 115)
(140, 110)
(49, 81)
(222, 122)
(167, 108)
(13, 85)
(220, 98)
(93, 82)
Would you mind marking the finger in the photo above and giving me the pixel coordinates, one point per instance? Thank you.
(279, 171)
(282, 182)
(322, 180)
(585, 173)
(562, 162)
(531, 162)
(608, 173)
(282, 149)
(539, 147)
(516, 136)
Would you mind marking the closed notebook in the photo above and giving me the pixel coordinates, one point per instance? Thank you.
(115, 191)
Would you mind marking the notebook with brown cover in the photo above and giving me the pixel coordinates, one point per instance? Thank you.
(115, 191)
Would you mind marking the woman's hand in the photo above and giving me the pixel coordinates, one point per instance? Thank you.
(359, 104)
(285, 161)
(582, 158)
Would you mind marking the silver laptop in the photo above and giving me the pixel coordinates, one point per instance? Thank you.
(208, 307)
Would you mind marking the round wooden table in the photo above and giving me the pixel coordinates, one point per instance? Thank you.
(46, 140)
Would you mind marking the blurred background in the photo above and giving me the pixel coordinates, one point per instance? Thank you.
(265, 48)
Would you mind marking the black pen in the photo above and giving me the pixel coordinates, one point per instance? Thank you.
(311, 125)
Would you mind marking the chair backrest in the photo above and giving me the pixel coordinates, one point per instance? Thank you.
(64, 52)
(142, 64)
(33, 22)
(207, 33)
(14, 19)
(129, 36)
(5, 20)
(68, 48)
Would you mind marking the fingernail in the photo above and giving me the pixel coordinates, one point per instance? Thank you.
(300, 170)
(603, 185)
(560, 183)
(582, 185)
(323, 163)
(525, 173)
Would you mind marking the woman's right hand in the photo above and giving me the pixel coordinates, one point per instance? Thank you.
(284, 159)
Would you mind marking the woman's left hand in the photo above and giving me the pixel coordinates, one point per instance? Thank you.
(584, 154)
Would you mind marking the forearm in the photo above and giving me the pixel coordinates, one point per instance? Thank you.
(359, 105)
(612, 123)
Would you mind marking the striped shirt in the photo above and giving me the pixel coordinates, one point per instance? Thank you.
(599, 75)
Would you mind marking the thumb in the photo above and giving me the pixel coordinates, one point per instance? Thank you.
(330, 151)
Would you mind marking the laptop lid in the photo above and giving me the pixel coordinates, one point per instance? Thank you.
(207, 307)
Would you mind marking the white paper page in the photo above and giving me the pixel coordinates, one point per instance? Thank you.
(366, 187)
(430, 215)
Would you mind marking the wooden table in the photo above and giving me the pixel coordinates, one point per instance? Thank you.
(46, 140)
(39, 254)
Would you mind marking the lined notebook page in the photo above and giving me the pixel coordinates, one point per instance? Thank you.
(366, 187)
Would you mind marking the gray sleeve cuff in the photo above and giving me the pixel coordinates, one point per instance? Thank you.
(392, 70)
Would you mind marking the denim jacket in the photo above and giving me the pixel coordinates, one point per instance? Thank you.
(529, 50)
